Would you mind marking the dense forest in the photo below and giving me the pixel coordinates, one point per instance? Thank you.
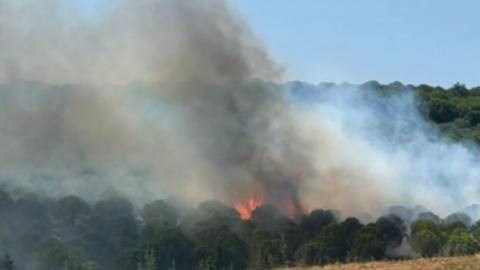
(71, 233)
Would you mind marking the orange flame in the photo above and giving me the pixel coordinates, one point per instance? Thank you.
(245, 209)
(295, 210)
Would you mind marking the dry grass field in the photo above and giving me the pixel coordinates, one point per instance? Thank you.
(470, 263)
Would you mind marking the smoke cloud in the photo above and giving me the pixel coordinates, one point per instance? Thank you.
(169, 98)
(150, 98)
(375, 149)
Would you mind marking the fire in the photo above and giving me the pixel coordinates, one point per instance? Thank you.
(296, 209)
(279, 189)
(246, 208)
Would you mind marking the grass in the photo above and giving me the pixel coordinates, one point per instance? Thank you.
(465, 263)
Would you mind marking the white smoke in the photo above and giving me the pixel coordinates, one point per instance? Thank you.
(377, 149)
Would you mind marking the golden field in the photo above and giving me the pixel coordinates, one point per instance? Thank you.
(466, 263)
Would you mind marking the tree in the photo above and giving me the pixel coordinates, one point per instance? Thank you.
(170, 245)
(217, 210)
(30, 214)
(95, 244)
(368, 244)
(473, 117)
(277, 252)
(458, 90)
(215, 239)
(312, 224)
(350, 226)
(313, 253)
(49, 257)
(426, 238)
(401, 211)
(459, 217)
(159, 209)
(427, 243)
(392, 228)
(78, 259)
(461, 243)
(68, 210)
(442, 111)
(450, 228)
(476, 233)
(428, 216)
(110, 228)
(267, 251)
(150, 262)
(244, 229)
(114, 207)
(336, 239)
(294, 238)
(269, 218)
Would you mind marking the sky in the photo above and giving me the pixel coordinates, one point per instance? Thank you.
(435, 42)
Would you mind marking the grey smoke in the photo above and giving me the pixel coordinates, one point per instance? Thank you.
(168, 98)
(197, 124)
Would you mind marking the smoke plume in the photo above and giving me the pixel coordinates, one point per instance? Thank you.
(169, 98)
(149, 98)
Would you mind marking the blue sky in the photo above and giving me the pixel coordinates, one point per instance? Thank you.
(425, 41)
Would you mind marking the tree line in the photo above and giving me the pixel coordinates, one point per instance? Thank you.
(69, 233)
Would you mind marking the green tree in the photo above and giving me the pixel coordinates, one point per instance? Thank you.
(450, 227)
(336, 239)
(159, 209)
(428, 216)
(461, 243)
(294, 238)
(350, 226)
(267, 251)
(312, 224)
(30, 215)
(149, 261)
(368, 244)
(442, 111)
(49, 257)
(473, 117)
(217, 210)
(459, 217)
(392, 228)
(313, 253)
(427, 243)
(170, 245)
(426, 238)
(277, 252)
(458, 90)
(269, 218)
(476, 233)
(214, 238)
(68, 210)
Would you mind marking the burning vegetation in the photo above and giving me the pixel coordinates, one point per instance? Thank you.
(246, 207)
(278, 189)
